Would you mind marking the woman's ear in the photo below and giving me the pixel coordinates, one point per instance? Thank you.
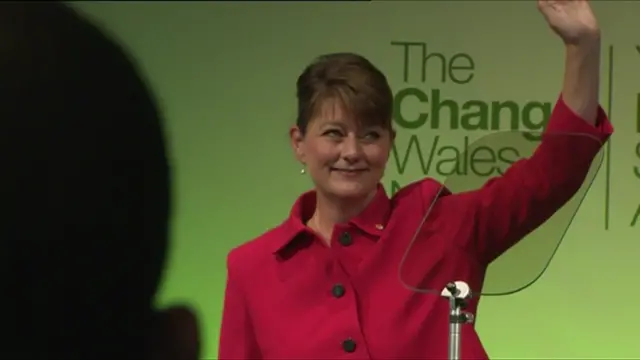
(297, 143)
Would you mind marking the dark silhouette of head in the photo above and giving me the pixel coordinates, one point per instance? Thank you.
(85, 193)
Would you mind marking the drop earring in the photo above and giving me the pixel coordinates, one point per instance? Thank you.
(303, 171)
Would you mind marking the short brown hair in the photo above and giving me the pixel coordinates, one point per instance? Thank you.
(349, 78)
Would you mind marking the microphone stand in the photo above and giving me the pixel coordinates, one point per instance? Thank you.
(458, 294)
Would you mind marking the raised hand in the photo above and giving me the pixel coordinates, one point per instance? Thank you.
(572, 20)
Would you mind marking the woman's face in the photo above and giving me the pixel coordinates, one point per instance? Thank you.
(344, 159)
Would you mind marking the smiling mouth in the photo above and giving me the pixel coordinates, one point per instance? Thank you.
(349, 171)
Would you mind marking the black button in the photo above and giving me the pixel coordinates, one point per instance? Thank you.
(345, 239)
(338, 290)
(349, 346)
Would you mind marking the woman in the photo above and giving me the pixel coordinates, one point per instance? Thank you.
(324, 284)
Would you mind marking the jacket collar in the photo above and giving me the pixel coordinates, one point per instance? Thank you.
(371, 220)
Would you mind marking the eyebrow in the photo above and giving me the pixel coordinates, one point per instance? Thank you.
(339, 123)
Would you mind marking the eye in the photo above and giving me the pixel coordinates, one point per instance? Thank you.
(372, 135)
(333, 133)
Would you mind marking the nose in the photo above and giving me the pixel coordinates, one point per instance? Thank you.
(351, 149)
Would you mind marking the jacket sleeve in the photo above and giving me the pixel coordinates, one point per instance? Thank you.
(509, 207)
(237, 338)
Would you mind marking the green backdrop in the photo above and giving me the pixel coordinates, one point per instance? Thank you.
(225, 75)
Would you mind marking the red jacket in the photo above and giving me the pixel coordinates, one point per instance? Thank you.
(289, 296)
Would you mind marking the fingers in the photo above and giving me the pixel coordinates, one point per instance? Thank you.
(175, 335)
(184, 328)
